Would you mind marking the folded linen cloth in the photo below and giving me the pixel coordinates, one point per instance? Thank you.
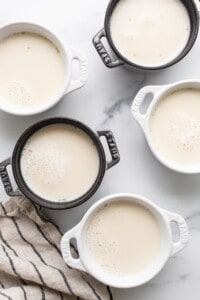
(31, 265)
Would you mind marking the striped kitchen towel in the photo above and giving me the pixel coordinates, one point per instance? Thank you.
(31, 265)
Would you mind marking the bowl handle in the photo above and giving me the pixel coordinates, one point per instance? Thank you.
(83, 76)
(139, 99)
(107, 60)
(66, 251)
(112, 147)
(6, 179)
(183, 232)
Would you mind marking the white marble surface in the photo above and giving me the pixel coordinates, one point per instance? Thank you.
(104, 103)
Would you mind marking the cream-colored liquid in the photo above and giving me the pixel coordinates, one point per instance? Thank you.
(32, 70)
(123, 238)
(150, 32)
(175, 127)
(60, 162)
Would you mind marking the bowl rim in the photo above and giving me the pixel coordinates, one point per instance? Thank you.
(65, 51)
(165, 91)
(125, 281)
(191, 40)
(23, 187)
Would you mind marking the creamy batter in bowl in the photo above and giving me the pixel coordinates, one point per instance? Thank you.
(124, 240)
(36, 68)
(171, 124)
(148, 35)
(59, 163)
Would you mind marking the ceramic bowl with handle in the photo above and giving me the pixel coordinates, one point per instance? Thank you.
(68, 54)
(112, 61)
(160, 92)
(86, 263)
(24, 189)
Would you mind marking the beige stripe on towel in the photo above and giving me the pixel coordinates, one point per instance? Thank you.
(31, 265)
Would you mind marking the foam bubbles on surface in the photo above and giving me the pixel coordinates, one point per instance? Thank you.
(53, 163)
(175, 127)
(185, 131)
(118, 236)
(32, 71)
(16, 92)
(60, 162)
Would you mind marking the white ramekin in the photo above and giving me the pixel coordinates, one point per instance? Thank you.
(158, 93)
(86, 263)
(69, 55)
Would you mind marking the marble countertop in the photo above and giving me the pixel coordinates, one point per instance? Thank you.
(104, 103)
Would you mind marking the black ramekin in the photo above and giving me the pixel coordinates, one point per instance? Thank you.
(110, 62)
(23, 189)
